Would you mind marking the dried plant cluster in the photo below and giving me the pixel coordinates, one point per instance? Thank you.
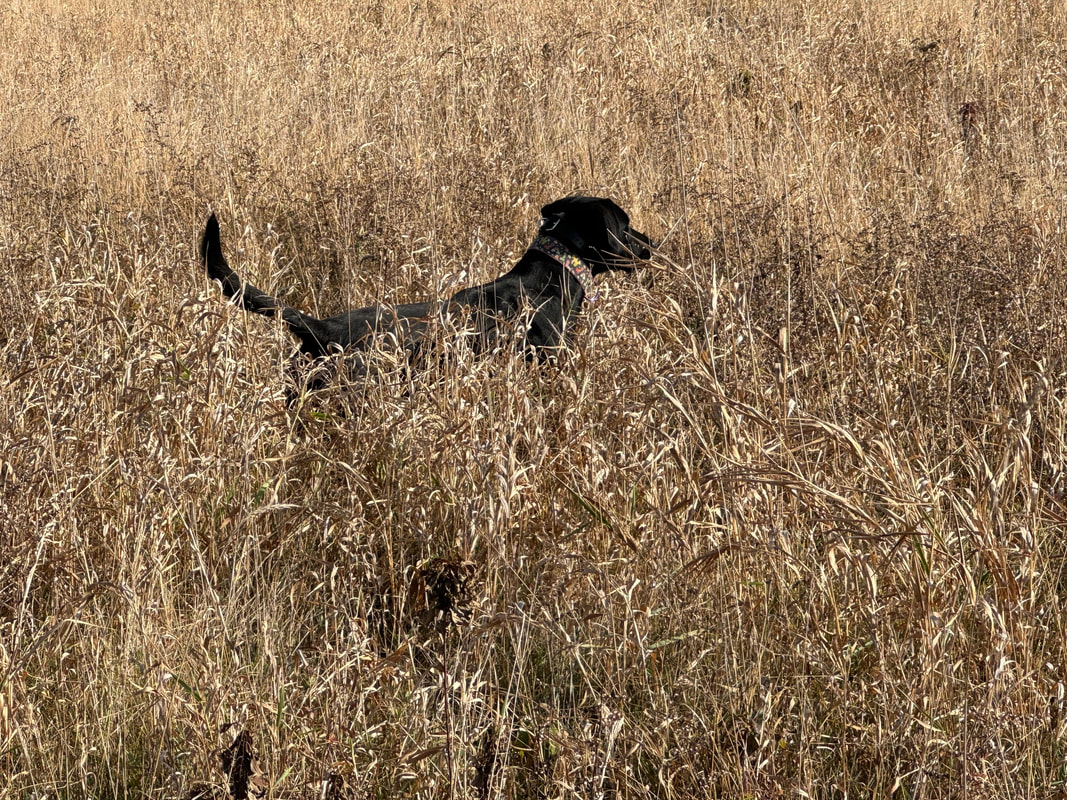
(787, 520)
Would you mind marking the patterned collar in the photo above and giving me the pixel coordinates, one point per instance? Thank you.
(553, 248)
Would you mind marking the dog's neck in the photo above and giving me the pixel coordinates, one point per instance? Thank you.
(554, 249)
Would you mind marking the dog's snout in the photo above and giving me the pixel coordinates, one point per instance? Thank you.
(639, 244)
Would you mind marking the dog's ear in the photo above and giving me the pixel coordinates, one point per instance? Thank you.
(554, 210)
(549, 223)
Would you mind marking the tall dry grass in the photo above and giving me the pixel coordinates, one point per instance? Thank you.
(786, 521)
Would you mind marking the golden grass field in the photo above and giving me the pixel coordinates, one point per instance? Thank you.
(788, 519)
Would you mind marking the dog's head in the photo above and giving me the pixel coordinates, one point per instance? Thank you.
(597, 231)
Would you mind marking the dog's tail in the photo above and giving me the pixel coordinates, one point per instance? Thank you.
(308, 329)
(245, 294)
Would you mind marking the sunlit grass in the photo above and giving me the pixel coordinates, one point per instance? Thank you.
(786, 520)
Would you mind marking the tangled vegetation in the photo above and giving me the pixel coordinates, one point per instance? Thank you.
(787, 520)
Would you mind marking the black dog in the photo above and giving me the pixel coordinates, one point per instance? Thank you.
(579, 237)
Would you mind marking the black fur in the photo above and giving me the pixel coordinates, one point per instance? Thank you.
(592, 228)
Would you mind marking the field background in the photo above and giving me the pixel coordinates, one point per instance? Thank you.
(787, 521)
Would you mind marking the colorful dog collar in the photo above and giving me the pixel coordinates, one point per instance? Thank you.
(553, 248)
